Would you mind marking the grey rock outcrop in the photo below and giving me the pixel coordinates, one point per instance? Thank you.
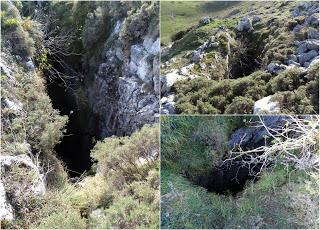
(252, 137)
(245, 25)
(32, 186)
(6, 210)
(306, 57)
(305, 8)
(266, 106)
(276, 68)
(168, 80)
(125, 91)
(307, 45)
(167, 104)
(313, 33)
(204, 21)
(37, 187)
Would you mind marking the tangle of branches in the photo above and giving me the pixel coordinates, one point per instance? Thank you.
(295, 144)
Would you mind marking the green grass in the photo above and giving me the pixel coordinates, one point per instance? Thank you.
(180, 15)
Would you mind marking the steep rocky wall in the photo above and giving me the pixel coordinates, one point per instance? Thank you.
(125, 91)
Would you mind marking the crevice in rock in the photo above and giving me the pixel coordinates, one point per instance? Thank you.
(82, 128)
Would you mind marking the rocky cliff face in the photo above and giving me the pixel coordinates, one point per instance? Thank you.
(125, 90)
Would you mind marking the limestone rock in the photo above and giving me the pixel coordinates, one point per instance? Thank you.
(276, 68)
(168, 80)
(313, 33)
(306, 57)
(310, 44)
(256, 19)
(204, 21)
(13, 106)
(6, 210)
(38, 187)
(186, 69)
(245, 25)
(29, 64)
(266, 106)
(196, 56)
(167, 104)
(125, 91)
(252, 137)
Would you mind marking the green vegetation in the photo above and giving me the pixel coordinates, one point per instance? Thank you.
(125, 192)
(179, 15)
(281, 198)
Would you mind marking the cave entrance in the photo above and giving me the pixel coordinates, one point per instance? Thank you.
(228, 177)
(246, 56)
(81, 130)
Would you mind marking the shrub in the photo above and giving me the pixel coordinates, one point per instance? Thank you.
(137, 24)
(64, 219)
(240, 105)
(296, 101)
(129, 166)
(287, 80)
(11, 22)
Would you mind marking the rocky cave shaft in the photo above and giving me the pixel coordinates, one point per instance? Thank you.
(81, 130)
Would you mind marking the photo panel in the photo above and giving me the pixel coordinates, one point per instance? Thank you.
(239, 57)
(246, 172)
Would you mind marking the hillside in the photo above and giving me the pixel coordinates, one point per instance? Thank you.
(179, 15)
(79, 113)
(245, 57)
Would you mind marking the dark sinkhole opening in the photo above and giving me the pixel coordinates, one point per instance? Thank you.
(82, 128)
(247, 56)
(228, 177)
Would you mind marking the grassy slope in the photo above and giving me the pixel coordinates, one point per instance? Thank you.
(179, 15)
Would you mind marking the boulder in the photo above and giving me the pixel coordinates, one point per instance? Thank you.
(204, 21)
(196, 56)
(312, 20)
(137, 53)
(256, 18)
(152, 46)
(144, 70)
(293, 57)
(186, 69)
(37, 187)
(275, 68)
(306, 57)
(245, 25)
(29, 64)
(266, 105)
(309, 44)
(168, 80)
(167, 104)
(313, 33)
(256, 136)
(13, 106)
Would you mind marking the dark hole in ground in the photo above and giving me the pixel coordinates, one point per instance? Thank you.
(82, 129)
(228, 177)
(247, 56)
